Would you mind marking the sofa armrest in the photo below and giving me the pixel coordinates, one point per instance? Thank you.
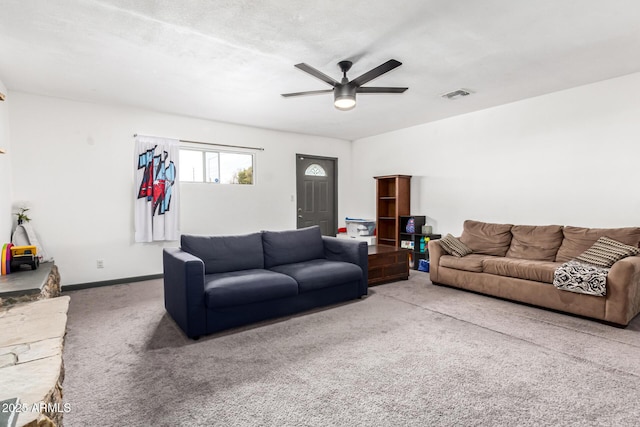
(184, 290)
(353, 251)
(435, 252)
(623, 291)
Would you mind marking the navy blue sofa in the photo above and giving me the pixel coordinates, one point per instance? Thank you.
(212, 283)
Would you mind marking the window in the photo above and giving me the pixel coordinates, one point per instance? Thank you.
(315, 170)
(191, 166)
(218, 167)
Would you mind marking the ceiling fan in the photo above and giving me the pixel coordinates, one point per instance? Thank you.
(344, 92)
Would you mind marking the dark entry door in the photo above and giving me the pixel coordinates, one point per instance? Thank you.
(316, 183)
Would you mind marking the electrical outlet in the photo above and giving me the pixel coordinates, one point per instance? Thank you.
(100, 263)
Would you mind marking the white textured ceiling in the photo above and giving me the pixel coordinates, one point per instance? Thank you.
(230, 60)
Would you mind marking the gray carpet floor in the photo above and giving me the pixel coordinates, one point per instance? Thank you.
(409, 354)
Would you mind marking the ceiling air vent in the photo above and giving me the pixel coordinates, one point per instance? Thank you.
(456, 94)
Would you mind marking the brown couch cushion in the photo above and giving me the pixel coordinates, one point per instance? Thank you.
(486, 238)
(540, 271)
(535, 242)
(579, 239)
(472, 262)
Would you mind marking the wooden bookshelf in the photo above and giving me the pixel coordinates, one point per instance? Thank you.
(393, 199)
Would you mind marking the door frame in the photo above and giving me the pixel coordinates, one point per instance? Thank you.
(335, 185)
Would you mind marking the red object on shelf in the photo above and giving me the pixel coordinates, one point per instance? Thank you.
(342, 230)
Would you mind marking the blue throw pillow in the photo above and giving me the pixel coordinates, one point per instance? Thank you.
(288, 247)
(225, 253)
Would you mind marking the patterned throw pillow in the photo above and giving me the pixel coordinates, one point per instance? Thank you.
(605, 252)
(453, 246)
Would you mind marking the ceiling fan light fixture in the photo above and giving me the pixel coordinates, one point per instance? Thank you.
(345, 102)
(344, 97)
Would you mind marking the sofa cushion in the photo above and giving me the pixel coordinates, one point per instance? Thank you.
(291, 246)
(453, 246)
(247, 286)
(471, 262)
(539, 271)
(535, 242)
(606, 252)
(225, 253)
(579, 239)
(486, 238)
(320, 273)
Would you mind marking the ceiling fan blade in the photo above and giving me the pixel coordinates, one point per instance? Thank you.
(318, 74)
(381, 89)
(309, 92)
(376, 72)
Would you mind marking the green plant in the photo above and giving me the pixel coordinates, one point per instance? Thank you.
(22, 216)
(244, 176)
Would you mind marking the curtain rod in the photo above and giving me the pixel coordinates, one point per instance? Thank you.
(211, 143)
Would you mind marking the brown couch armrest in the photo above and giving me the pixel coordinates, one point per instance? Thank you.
(435, 252)
(623, 291)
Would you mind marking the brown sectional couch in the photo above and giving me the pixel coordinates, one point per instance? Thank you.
(517, 262)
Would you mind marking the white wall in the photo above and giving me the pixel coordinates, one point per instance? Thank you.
(73, 163)
(568, 158)
(6, 216)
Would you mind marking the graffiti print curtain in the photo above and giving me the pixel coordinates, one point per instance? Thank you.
(156, 204)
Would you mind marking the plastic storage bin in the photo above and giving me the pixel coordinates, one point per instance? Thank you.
(360, 227)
